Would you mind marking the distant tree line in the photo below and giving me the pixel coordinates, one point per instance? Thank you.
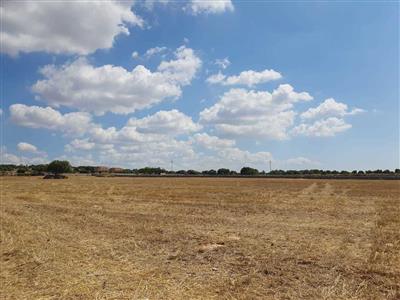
(55, 167)
(58, 167)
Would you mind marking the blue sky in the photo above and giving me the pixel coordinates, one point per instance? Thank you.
(303, 84)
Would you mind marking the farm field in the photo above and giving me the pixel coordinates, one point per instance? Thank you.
(199, 238)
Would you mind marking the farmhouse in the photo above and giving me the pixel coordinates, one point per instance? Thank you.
(102, 170)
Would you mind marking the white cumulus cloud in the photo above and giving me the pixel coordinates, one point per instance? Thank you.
(111, 88)
(80, 144)
(216, 78)
(212, 142)
(75, 123)
(210, 6)
(183, 68)
(301, 161)
(240, 112)
(10, 158)
(72, 27)
(330, 108)
(248, 78)
(153, 51)
(135, 54)
(26, 147)
(223, 63)
(322, 128)
(171, 122)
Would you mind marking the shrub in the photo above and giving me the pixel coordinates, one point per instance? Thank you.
(56, 176)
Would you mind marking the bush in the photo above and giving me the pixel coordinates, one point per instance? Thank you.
(21, 171)
(56, 176)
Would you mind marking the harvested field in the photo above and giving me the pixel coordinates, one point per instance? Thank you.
(199, 238)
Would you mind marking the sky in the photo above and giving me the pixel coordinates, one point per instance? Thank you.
(205, 84)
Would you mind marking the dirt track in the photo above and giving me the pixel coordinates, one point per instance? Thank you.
(194, 238)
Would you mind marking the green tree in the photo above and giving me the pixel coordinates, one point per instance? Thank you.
(209, 172)
(192, 172)
(59, 166)
(223, 171)
(248, 171)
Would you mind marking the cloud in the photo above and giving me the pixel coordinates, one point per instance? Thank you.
(194, 7)
(246, 158)
(75, 123)
(159, 150)
(149, 4)
(330, 108)
(135, 54)
(171, 122)
(328, 119)
(111, 88)
(71, 27)
(226, 154)
(322, 128)
(210, 7)
(248, 78)
(183, 68)
(159, 127)
(80, 144)
(301, 161)
(79, 160)
(127, 147)
(223, 63)
(26, 147)
(153, 141)
(212, 142)
(298, 161)
(240, 112)
(153, 51)
(9, 158)
(216, 78)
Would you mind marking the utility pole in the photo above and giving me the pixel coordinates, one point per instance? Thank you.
(270, 166)
(172, 165)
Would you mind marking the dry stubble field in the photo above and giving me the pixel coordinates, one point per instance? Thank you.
(199, 238)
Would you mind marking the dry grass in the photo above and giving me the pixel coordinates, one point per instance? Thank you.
(193, 238)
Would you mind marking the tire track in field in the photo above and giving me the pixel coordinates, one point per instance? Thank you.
(308, 191)
(111, 193)
(385, 237)
(327, 190)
